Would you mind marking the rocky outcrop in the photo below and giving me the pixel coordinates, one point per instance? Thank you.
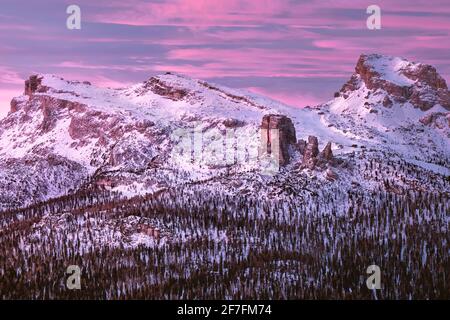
(425, 98)
(387, 102)
(425, 74)
(311, 153)
(438, 120)
(161, 88)
(34, 84)
(311, 156)
(404, 81)
(327, 153)
(273, 125)
(301, 146)
(351, 85)
(233, 123)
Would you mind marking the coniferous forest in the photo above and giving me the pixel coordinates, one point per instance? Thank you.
(215, 246)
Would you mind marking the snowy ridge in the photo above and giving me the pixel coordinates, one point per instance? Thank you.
(390, 68)
(141, 102)
(123, 139)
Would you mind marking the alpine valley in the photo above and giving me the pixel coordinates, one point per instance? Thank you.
(161, 190)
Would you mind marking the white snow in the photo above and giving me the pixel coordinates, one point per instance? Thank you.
(390, 68)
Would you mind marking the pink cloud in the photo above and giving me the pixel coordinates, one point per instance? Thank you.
(415, 22)
(204, 13)
(200, 13)
(274, 38)
(9, 76)
(257, 62)
(15, 27)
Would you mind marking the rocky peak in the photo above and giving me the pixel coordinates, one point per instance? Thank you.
(402, 80)
(286, 133)
(311, 155)
(164, 89)
(327, 153)
(32, 84)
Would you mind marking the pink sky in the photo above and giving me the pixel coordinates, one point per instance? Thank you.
(299, 52)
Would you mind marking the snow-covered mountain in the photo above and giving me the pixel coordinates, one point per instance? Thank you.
(64, 135)
(392, 103)
(167, 189)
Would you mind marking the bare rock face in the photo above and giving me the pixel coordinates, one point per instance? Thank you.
(34, 84)
(403, 81)
(86, 127)
(312, 159)
(387, 102)
(286, 131)
(351, 85)
(233, 123)
(426, 74)
(301, 146)
(425, 98)
(311, 153)
(161, 88)
(327, 153)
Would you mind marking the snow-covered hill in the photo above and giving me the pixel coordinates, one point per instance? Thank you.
(63, 135)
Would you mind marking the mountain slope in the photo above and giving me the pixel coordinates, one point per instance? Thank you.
(63, 135)
(104, 130)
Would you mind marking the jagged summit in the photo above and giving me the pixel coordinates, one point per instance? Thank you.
(387, 93)
(400, 71)
(399, 80)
